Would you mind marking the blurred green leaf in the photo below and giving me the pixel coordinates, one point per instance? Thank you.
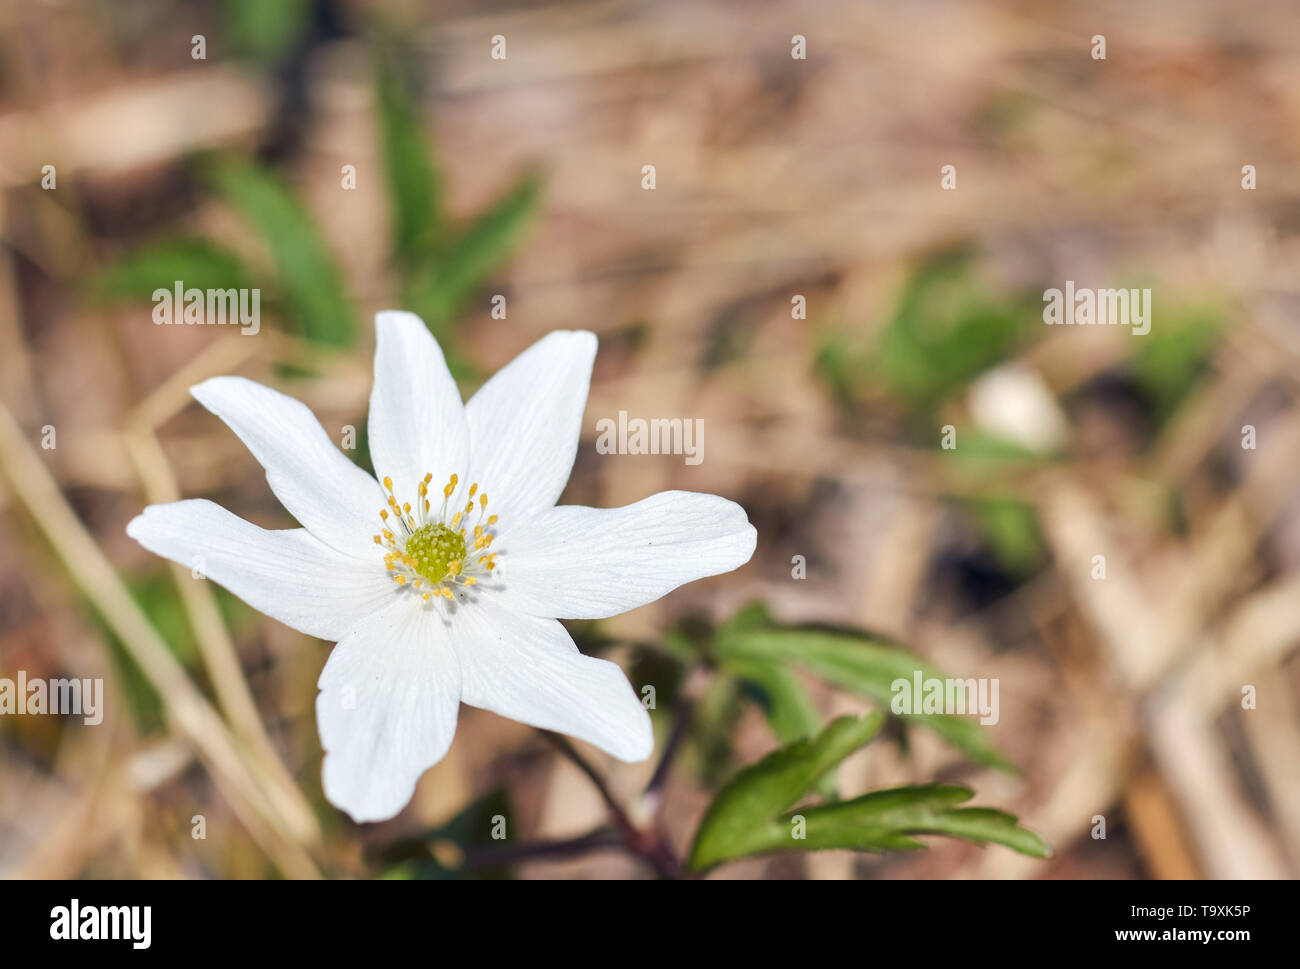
(310, 279)
(412, 181)
(1170, 359)
(859, 662)
(195, 262)
(438, 289)
(449, 850)
(790, 711)
(1013, 533)
(156, 594)
(712, 727)
(740, 817)
(945, 330)
(1010, 527)
(266, 29)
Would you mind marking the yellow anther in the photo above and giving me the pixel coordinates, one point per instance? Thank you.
(492, 519)
(401, 580)
(406, 507)
(469, 507)
(446, 491)
(482, 500)
(383, 513)
(478, 531)
(426, 505)
(446, 593)
(388, 483)
(426, 596)
(473, 489)
(470, 580)
(428, 477)
(456, 519)
(378, 541)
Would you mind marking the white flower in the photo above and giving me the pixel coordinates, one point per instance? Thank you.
(434, 593)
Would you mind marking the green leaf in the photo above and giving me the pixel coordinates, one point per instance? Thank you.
(945, 330)
(752, 800)
(410, 176)
(889, 821)
(752, 813)
(266, 29)
(438, 289)
(309, 277)
(195, 262)
(858, 662)
(1170, 360)
(790, 711)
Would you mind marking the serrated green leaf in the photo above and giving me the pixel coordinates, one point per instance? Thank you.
(863, 664)
(889, 821)
(751, 801)
(409, 173)
(195, 262)
(438, 289)
(309, 278)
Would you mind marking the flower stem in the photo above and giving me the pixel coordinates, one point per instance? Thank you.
(648, 845)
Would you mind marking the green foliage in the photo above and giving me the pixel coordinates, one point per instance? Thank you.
(1171, 358)
(431, 854)
(790, 711)
(266, 30)
(438, 289)
(310, 279)
(199, 263)
(156, 594)
(1013, 533)
(414, 188)
(439, 266)
(944, 331)
(751, 815)
(752, 801)
(864, 664)
(1010, 527)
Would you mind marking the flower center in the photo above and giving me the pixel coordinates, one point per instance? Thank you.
(434, 547)
(430, 552)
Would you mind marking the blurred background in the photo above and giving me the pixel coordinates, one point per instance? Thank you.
(345, 157)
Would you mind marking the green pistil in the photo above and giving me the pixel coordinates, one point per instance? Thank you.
(435, 547)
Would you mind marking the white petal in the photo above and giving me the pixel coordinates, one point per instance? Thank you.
(417, 422)
(524, 425)
(390, 693)
(329, 495)
(574, 562)
(288, 574)
(528, 669)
